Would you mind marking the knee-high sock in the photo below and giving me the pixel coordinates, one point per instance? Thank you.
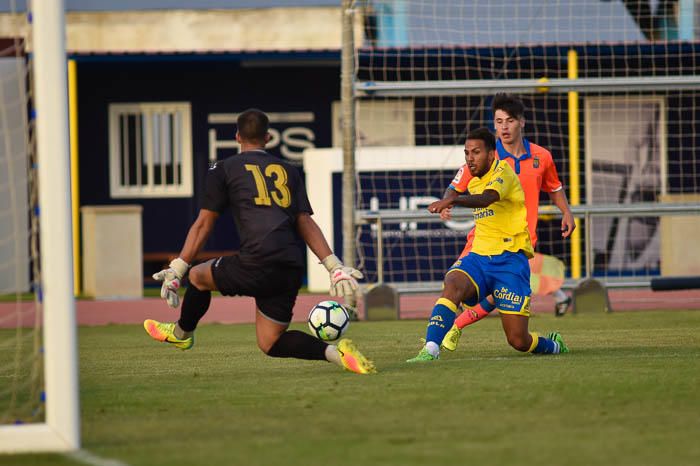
(441, 320)
(300, 345)
(474, 314)
(542, 345)
(194, 306)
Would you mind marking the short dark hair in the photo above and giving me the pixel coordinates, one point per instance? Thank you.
(510, 104)
(253, 125)
(485, 135)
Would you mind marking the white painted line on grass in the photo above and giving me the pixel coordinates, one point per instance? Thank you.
(86, 457)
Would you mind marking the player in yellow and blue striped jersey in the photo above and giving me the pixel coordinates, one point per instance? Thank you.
(498, 261)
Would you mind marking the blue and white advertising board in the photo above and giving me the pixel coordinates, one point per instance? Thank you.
(406, 178)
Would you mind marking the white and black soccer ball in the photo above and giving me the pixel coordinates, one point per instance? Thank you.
(328, 320)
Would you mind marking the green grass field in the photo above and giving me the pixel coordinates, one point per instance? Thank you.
(628, 394)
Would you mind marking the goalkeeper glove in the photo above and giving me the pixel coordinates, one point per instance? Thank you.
(352, 312)
(171, 281)
(343, 279)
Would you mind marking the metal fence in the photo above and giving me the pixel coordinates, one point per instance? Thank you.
(587, 213)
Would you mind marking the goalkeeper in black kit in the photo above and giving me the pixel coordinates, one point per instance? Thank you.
(271, 210)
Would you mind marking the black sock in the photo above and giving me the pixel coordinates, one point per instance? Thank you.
(300, 345)
(194, 306)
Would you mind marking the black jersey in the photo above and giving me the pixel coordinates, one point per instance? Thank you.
(265, 195)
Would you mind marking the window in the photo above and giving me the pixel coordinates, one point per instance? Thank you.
(150, 150)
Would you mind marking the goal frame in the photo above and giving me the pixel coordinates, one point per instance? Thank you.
(61, 429)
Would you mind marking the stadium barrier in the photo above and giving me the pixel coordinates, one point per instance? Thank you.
(675, 283)
(379, 218)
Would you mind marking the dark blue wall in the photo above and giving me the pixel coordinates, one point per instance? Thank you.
(210, 87)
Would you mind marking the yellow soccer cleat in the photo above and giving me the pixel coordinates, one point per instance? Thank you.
(353, 360)
(451, 339)
(165, 332)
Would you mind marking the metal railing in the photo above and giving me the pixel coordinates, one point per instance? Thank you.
(489, 86)
(587, 212)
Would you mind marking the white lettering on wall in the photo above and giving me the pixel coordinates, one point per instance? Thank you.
(416, 203)
(291, 140)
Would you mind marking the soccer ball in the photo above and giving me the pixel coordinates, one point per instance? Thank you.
(328, 320)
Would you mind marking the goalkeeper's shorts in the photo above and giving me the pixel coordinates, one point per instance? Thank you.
(274, 287)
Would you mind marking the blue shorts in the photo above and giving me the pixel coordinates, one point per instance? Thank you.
(505, 276)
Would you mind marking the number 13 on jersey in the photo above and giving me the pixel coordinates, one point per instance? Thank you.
(278, 175)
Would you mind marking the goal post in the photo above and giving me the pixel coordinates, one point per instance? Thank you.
(60, 430)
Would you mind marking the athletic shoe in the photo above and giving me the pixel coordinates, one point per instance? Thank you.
(353, 360)
(423, 356)
(556, 337)
(165, 332)
(451, 339)
(561, 308)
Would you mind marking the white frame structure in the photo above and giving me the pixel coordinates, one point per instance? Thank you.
(603, 146)
(321, 164)
(660, 101)
(61, 429)
(157, 141)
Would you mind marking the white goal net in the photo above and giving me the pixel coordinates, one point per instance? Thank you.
(21, 392)
(611, 89)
